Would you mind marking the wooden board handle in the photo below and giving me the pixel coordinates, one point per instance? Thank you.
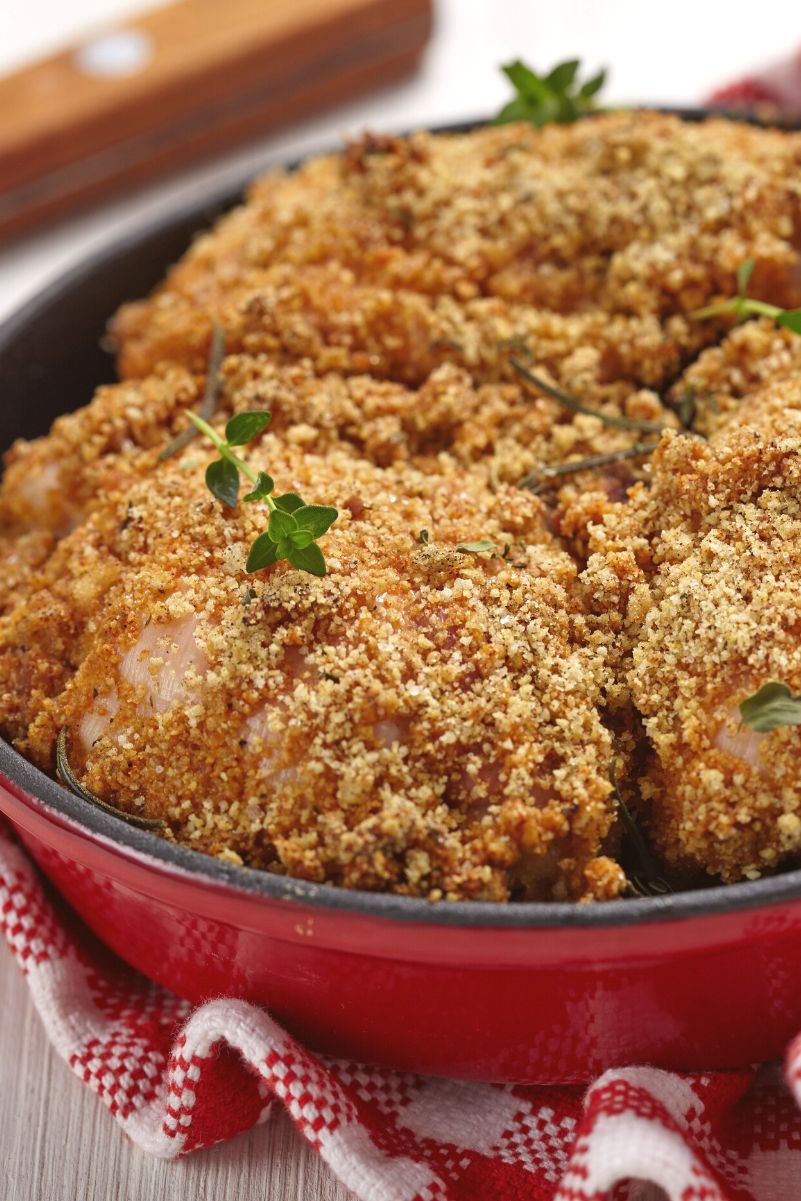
(186, 80)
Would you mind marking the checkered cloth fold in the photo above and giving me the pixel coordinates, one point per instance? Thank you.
(177, 1080)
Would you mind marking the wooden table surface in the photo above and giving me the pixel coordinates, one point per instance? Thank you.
(57, 1141)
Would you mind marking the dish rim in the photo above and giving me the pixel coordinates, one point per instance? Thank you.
(16, 770)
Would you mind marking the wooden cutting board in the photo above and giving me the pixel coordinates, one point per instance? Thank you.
(183, 81)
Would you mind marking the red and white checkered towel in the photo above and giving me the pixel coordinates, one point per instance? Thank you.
(177, 1080)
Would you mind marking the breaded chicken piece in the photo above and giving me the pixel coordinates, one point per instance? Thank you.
(21, 554)
(423, 720)
(703, 580)
(420, 720)
(629, 213)
(507, 430)
(323, 312)
(747, 358)
(50, 483)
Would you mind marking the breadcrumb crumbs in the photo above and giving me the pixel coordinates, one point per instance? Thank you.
(420, 720)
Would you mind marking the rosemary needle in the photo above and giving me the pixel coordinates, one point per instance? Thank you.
(647, 882)
(620, 423)
(538, 479)
(211, 395)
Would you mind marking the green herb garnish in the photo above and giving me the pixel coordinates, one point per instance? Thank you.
(555, 97)
(742, 305)
(465, 548)
(294, 526)
(479, 547)
(771, 706)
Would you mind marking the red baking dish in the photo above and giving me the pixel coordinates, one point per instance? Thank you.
(525, 992)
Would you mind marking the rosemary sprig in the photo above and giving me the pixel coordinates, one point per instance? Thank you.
(211, 394)
(742, 305)
(518, 343)
(647, 882)
(555, 97)
(538, 480)
(294, 526)
(576, 406)
(71, 781)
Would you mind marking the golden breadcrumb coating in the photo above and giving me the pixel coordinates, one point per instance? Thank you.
(508, 431)
(631, 213)
(323, 312)
(420, 720)
(49, 483)
(747, 358)
(705, 573)
(581, 250)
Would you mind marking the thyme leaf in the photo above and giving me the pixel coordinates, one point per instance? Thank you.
(264, 487)
(742, 305)
(222, 480)
(263, 553)
(744, 273)
(771, 706)
(555, 97)
(294, 526)
(288, 501)
(244, 427)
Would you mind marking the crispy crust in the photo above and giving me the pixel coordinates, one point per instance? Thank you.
(630, 213)
(704, 567)
(421, 720)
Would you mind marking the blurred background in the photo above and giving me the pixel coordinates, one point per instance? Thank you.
(662, 54)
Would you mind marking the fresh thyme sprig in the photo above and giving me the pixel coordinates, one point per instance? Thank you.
(771, 706)
(294, 526)
(742, 305)
(555, 97)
